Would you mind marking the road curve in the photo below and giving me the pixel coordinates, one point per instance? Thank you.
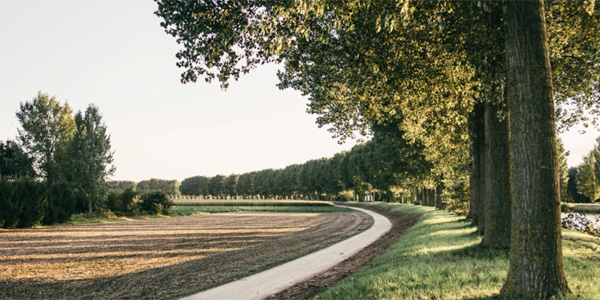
(277, 279)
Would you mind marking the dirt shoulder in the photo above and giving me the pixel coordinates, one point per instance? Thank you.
(319, 283)
(158, 259)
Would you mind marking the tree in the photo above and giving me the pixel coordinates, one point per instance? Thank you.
(536, 262)
(362, 63)
(155, 202)
(230, 185)
(216, 186)
(573, 189)
(121, 184)
(47, 128)
(14, 162)
(587, 181)
(563, 172)
(86, 164)
(196, 185)
(169, 187)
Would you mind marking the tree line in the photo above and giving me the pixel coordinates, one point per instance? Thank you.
(477, 84)
(386, 168)
(56, 167)
(169, 187)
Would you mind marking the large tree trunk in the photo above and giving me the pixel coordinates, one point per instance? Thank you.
(476, 176)
(497, 179)
(536, 260)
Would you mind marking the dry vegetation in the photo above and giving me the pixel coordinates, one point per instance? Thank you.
(159, 258)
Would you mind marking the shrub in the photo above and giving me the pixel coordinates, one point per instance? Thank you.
(35, 203)
(22, 202)
(61, 203)
(121, 201)
(155, 203)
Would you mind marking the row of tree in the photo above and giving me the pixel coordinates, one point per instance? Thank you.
(169, 187)
(69, 155)
(385, 168)
(447, 75)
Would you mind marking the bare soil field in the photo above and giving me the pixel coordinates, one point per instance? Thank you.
(159, 258)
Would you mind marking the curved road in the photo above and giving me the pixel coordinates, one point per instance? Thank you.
(277, 279)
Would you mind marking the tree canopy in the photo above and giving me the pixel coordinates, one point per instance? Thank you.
(423, 66)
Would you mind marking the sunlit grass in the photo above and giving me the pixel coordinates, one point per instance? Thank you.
(197, 209)
(583, 207)
(440, 258)
(187, 202)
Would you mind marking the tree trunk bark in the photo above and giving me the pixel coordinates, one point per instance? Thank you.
(497, 179)
(438, 195)
(476, 180)
(536, 260)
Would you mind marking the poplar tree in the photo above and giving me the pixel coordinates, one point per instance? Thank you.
(366, 62)
(47, 127)
(87, 162)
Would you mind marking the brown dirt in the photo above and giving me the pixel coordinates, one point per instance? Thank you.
(319, 283)
(161, 258)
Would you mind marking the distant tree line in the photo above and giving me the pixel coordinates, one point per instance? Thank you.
(386, 168)
(169, 187)
(56, 167)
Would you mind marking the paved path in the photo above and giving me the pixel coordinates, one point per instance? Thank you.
(277, 279)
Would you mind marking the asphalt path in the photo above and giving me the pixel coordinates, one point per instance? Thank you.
(274, 280)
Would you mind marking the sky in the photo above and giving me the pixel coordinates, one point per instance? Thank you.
(114, 54)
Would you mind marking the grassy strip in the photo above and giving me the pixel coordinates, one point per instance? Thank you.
(440, 258)
(192, 208)
(583, 207)
(184, 210)
(255, 203)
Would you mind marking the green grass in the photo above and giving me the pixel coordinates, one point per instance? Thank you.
(256, 203)
(440, 258)
(190, 208)
(583, 207)
(184, 210)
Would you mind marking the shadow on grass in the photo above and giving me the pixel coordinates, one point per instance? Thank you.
(479, 251)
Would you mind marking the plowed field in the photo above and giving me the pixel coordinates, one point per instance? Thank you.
(160, 258)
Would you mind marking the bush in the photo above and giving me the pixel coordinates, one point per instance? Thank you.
(155, 203)
(61, 203)
(35, 203)
(23, 203)
(122, 202)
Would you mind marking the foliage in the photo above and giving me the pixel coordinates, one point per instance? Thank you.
(121, 184)
(563, 171)
(23, 202)
(155, 203)
(121, 201)
(170, 187)
(421, 65)
(88, 158)
(62, 201)
(588, 174)
(14, 162)
(47, 128)
(69, 156)
(572, 187)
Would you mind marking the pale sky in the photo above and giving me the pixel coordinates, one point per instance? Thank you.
(113, 53)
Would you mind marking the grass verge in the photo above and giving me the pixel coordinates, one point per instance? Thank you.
(254, 203)
(186, 210)
(590, 208)
(440, 258)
